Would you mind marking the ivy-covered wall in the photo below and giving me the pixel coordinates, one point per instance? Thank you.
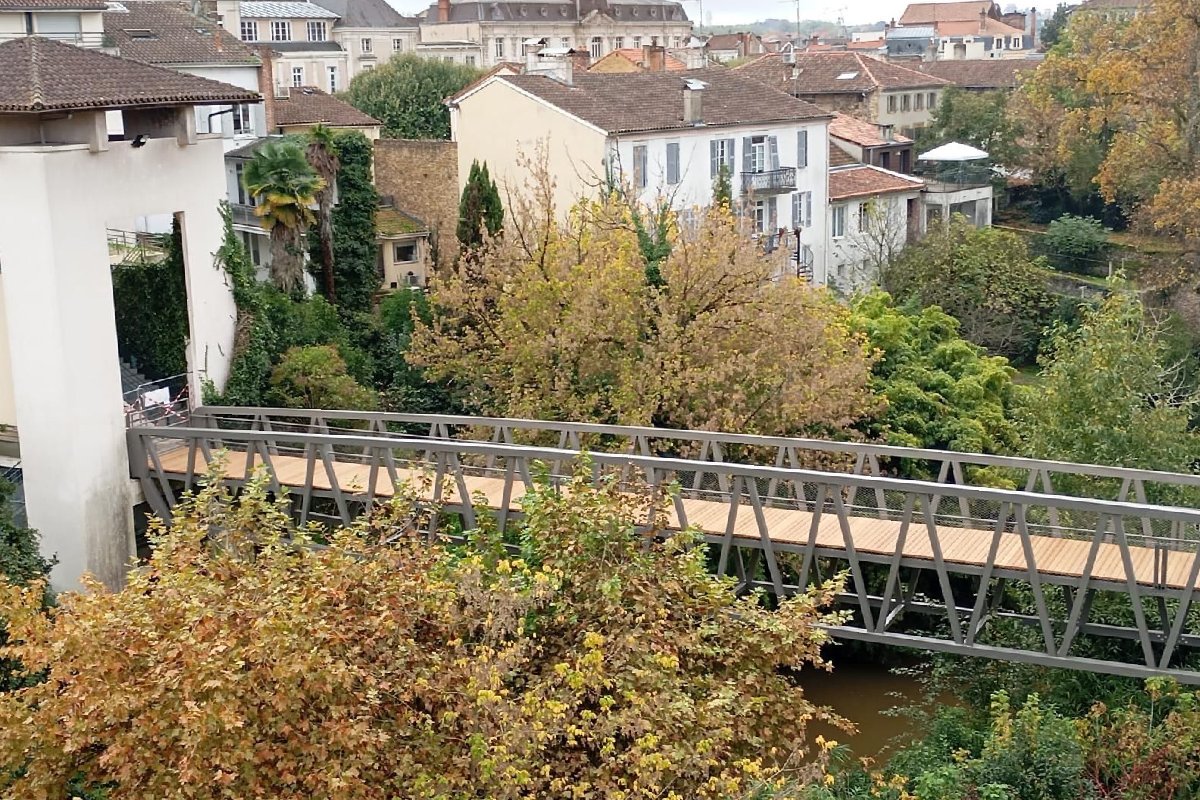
(150, 298)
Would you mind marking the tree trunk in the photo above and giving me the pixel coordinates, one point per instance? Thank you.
(325, 234)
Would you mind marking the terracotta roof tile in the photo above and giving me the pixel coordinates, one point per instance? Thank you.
(990, 27)
(175, 35)
(835, 73)
(651, 101)
(839, 157)
(926, 13)
(861, 132)
(308, 105)
(981, 73)
(864, 181)
(635, 57)
(45, 75)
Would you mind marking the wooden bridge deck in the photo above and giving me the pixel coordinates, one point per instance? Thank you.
(1064, 557)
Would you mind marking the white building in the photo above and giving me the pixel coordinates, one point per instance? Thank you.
(507, 31)
(370, 32)
(301, 33)
(74, 21)
(60, 378)
(873, 214)
(666, 134)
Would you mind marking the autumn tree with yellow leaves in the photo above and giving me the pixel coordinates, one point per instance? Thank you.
(1116, 105)
(557, 320)
(241, 663)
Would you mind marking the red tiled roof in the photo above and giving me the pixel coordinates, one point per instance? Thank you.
(839, 157)
(966, 27)
(929, 13)
(637, 57)
(308, 105)
(864, 181)
(44, 75)
(176, 36)
(650, 101)
(835, 73)
(861, 132)
(981, 73)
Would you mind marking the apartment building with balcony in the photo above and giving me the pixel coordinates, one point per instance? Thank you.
(77, 22)
(300, 33)
(664, 136)
(491, 32)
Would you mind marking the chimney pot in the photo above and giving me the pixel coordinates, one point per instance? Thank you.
(443, 10)
(693, 102)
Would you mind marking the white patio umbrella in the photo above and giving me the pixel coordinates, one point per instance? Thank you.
(954, 151)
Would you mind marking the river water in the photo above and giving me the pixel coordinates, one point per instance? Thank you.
(861, 692)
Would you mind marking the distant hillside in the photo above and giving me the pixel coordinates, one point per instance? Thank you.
(807, 27)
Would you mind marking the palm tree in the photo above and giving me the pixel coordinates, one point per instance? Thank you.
(322, 156)
(285, 187)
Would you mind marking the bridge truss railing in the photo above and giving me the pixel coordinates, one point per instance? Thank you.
(938, 466)
(929, 564)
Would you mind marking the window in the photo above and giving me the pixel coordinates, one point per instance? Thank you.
(618, 43)
(243, 122)
(249, 30)
(469, 60)
(499, 48)
(333, 84)
(802, 148)
(764, 215)
(640, 166)
(863, 216)
(654, 41)
(368, 67)
(933, 100)
(801, 210)
(597, 47)
(239, 174)
(364, 45)
(565, 42)
(761, 154)
(720, 155)
(281, 31)
(891, 104)
(297, 76)
(637, 42)
(672, 163)
(448, 59)
(919, 102)
(397, 45)
(404, 253)
(251, 242)
(1016, 43)
(316, 31)
(837, 221)
(677, 42)
(906, 102)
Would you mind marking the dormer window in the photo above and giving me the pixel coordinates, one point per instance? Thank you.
(847, 76)
(140, 34)
(316, 31)
(249, 30)
(281, 30)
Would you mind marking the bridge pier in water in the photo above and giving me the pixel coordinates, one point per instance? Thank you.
(929, 562)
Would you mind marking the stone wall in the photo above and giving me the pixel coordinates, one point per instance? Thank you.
(851, 103)
(423, 178)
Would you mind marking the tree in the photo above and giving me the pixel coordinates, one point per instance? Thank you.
(984, 278)
(559, 321)
(723, 188)
(322, 157)
(316, 377)
(150, 300)
(1107, 395)
(240, 662)
(406, 94)
(941, 391)
(285, 187)
(480, 211)
(1118, 103)
(980, 119)
(356, 252)
(1055, 25)
(1076, 243)
(21, 564)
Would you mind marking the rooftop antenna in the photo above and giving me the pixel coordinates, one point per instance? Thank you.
(797, 4)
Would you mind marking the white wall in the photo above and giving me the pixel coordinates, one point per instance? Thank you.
(854, 257)
(62, 333)
(244, 77)
(696, 179)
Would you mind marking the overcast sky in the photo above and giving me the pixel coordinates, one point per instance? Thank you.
(732, 12)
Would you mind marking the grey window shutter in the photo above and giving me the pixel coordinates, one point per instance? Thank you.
(796, 210)
(808, 209)
(746, 157)
(714, 165)
(802, 149)
(772, 152)
(772, 215)
(672, 163)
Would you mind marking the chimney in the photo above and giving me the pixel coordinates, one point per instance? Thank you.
(579, 59)
(982, 20)
(443, 10)
(229, 15)
(887, 133)
(693, 101)
(1033, 30)
(654, 58)
(266, 85)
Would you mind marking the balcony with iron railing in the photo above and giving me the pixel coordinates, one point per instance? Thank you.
(772, 181)
(948, 177)
(244, 215)
(94, 39)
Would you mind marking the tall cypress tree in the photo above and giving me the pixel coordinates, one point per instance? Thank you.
(479, 209)
(355, 251)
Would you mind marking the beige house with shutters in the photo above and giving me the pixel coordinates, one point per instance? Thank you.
(663, 135)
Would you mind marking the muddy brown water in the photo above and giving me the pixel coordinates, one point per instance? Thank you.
(862, 692)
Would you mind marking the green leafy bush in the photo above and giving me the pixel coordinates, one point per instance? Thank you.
(1077, 244)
